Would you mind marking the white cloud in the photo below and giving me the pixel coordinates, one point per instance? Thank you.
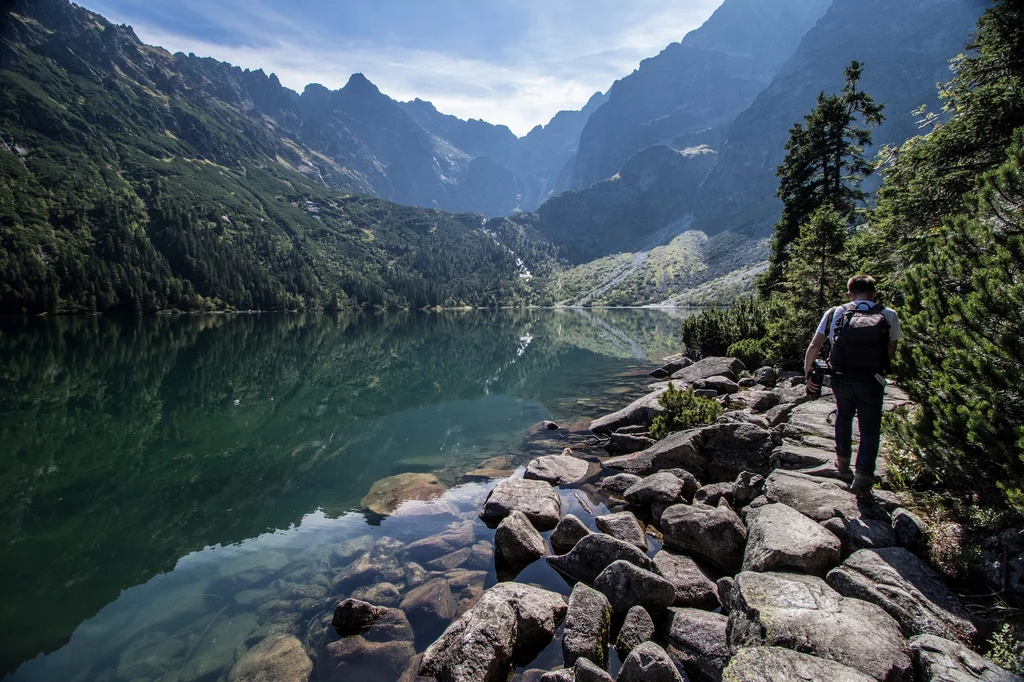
(568, 52)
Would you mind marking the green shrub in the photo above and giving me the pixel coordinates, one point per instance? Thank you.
(1006, 650)
(683, 411)
(751, 352)
(712, 331)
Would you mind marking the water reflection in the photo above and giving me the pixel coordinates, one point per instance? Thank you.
(130, 443)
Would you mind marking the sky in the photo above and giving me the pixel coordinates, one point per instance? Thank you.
(511, 62)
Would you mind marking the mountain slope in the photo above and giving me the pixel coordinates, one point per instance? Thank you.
(136, 180)
(904, 56)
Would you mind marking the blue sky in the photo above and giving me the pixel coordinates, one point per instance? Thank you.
(515, 62)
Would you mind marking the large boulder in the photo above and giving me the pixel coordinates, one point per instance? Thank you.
(716, 535)
(790, 456)
(648, 663)
(480, 645)
(818, 498)
(909, 528)
(945, 661)
(595, 552)
(661, 487)
(861, 533)
(907, 589)
(719, 384)
(766, 376)
(627, 585)
(779, 538)
(710, 367)
(537, 499)
(387, 494)
(637, 628)
(803, 613)
(278, 658)
(774, 664)
(761, 401)
(620, 483)
(625, 443)
(698, 640)
(567, 533)
(693, 587)
(517, 541)
(587, 626)
(641, 411)
(557, 469)
(583, 671)
(623, 526)
(719, 452)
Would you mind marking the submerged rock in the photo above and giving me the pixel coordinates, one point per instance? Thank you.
(355, 659)
(387, 494)
(587, 626)
(354, 617)
(430, 606)
(774, 664)
(458, 535)
(595, 552)
(537, 499)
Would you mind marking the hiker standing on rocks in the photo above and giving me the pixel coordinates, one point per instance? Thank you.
(863, 336)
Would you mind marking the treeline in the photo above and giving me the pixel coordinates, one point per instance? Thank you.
(945, 240)
(121, 193)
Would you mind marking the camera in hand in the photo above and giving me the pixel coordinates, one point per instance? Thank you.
(817, 377)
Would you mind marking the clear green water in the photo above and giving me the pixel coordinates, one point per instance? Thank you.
(154, 468)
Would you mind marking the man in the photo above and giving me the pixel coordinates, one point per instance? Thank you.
(863, 335)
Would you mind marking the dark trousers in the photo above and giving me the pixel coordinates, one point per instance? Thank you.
(861, 397)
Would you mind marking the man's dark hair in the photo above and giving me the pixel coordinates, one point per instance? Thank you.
(862, 284)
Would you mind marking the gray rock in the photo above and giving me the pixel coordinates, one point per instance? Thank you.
(791, 456)
(517, 541)
(773, 664)
(354, 617)
(715, 535)
(761, 401)
(693, 587)
(354, 659)
(627, 585)
(861, 533)
(623, 526)
(698, 641)
(641, 411)
(648, 663)
(711, 494)
(909, 528)
(558, 676)
(779, 414)
(624, 443)
(660, 487)
(348, 549)
(567, 533)
(415, 575)
(718, 384)
(747, 487)
(557, 469)
(705, 393)
(585, 671)
(587, 626)
(393, 626)
(430, 605)
(907, 589)
(379, 565)
(944, 661)
(538, 612)
(747, 382)
(779, 538)
(710, 367)
(690, 483)
(620, 483)
(478, 647)
(381, 594)
(593, 553)
(816, 498)
(537, 499)
(803, 613)
(766, 376)
(636, 629)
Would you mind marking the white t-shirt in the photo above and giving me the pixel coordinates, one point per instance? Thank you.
(895, 333)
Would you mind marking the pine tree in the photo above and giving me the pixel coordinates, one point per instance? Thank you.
(824, 165)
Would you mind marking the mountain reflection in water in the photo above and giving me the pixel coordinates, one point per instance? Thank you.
(131, 444)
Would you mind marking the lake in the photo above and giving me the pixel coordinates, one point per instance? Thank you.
(170, 482)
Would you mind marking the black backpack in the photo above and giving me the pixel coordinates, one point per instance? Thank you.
(860, 345)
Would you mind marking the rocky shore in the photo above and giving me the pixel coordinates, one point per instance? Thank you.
(726, 552)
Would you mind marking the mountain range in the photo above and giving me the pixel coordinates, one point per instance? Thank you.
(678, 156)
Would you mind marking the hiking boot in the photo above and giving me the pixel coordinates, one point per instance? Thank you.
(862, 486)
